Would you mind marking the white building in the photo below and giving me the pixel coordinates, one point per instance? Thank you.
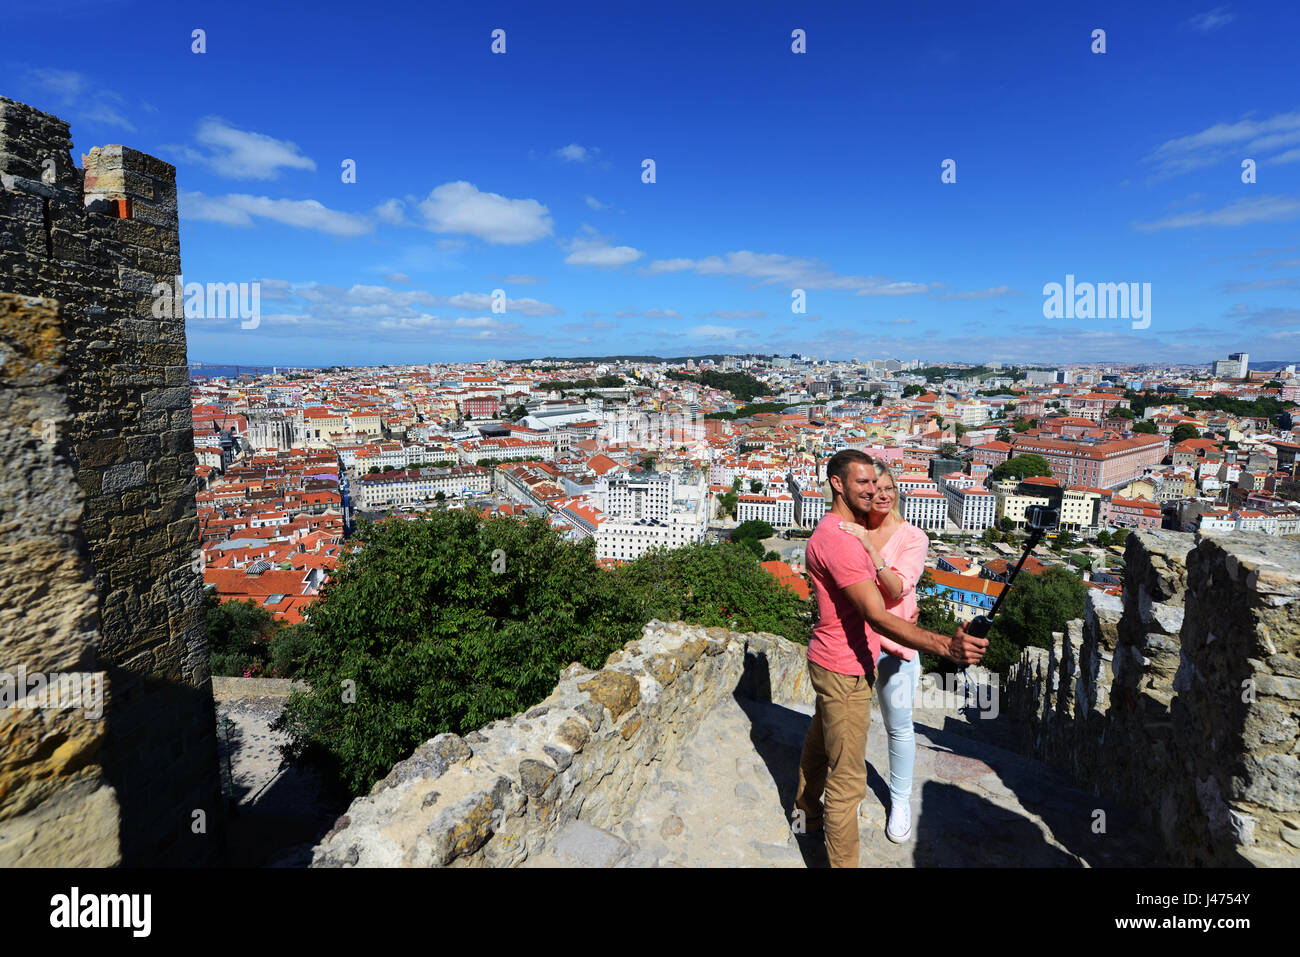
(809, 501)
(926, 508)
(648, 495)
(970, 509)
(776, 510)
(629, 540)
(419, 486)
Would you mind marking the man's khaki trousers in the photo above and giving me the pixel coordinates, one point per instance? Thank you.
(833, 762)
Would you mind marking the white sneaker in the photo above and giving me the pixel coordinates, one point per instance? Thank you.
(899, 828)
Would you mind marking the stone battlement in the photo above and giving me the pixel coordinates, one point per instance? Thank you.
(97, 571)
(1183, 700)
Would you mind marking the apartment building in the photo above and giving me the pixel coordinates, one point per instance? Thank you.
(640, 495)
(809, 501)
(1139, 513)
(419, 486)
(926, 508)
(1082, 508)
(970, 509)
(966, 596)
(1096, 465)
(776, 510)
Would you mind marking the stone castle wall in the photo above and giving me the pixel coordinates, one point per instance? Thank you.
(497, 795)
(96, 241)
(1183, 701)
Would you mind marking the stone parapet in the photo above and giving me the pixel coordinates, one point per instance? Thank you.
(587, 752)
(1200, 727)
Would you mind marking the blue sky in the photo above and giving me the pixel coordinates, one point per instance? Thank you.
(774, 171)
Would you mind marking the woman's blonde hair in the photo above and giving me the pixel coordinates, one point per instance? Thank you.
(882, 471)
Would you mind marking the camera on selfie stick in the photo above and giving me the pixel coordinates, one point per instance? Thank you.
(1039, 518)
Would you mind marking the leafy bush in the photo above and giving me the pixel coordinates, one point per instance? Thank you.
(714, 585)
(453, 622)
(445, 625)
(237, 636)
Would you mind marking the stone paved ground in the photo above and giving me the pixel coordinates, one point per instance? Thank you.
(280, 813)
(723, 803)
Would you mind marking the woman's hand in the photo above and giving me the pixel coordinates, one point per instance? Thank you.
(860, 533)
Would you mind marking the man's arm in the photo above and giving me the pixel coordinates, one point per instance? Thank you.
(962, 648)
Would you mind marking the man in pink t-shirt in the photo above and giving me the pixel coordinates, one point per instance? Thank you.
(841, 660)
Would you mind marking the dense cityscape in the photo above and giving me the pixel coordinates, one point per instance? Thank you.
(637, 454)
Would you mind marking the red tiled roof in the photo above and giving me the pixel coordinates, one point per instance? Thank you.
(787, 577)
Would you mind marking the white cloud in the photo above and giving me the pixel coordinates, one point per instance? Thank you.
(648, 314)
(1228, 141)
(529, 307)
(669, 265)
(736, 314)
(598, 252)
(391, 211)
(575, 153)
(596, 204)
(714, 332)
(893, 289)
(980, 293)
(1211, 20)
(78, 95)
(1261, 209)
(521, 279)
(460, 207)
(398, 277)
(240, 209)
(770, 268)
(241, 154)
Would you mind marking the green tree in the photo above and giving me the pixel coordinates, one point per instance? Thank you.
(238, 636)
(934, 614)
(727, 503)
(1182, 433)
(1103, 538)
(1146, 427)
(755, 486)
(911, 390)
(772, 556)
(440, 496)
(1064, 538)
(1121, 412)
(1036, 606)
(1006, 524)
(445, 625)
(1022, 466)
(754, 528)
(1003, 435)
(288, 649)
(1120, 536)
(713, 585)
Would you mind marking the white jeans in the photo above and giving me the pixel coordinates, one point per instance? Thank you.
(896, 683)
